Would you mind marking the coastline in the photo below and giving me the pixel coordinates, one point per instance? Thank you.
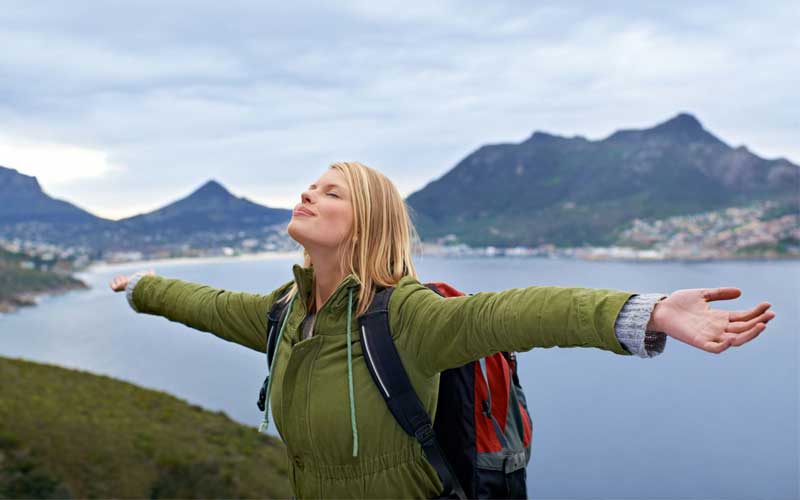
(99, 266)
(103, 266)
(732, 258)
(31, 299)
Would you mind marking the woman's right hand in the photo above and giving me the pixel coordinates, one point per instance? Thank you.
(120, 281)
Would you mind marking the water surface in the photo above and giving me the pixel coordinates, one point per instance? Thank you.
(686, 424)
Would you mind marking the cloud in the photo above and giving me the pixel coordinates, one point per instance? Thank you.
(56, 164)
(263, 97)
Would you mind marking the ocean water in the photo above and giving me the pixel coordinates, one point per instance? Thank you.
(685, 424)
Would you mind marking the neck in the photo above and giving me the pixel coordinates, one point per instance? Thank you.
(327, 276)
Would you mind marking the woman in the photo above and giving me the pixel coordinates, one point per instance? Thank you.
(356, 234)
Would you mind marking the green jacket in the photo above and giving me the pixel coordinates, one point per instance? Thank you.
(310, 390)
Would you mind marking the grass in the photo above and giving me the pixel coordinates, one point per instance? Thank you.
(68, 433)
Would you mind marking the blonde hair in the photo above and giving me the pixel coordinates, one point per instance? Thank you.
(378, 250)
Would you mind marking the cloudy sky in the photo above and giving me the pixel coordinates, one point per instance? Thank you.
(122, 107)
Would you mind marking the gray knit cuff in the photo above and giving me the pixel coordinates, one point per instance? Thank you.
(131, 285)
(631, 325)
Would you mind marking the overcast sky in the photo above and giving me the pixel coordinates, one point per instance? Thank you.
(122, 107)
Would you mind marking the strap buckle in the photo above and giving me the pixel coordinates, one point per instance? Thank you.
(425, 435)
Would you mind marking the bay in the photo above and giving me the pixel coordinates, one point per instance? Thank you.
(685, 424)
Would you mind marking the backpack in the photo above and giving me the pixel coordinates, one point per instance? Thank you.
(480, 443)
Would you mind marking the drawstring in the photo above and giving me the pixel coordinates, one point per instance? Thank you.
(263, 427)
(350, 373)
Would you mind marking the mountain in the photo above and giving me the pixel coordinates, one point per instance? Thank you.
(66, 433)
(572, 191)
(24, 201)
(209, 208)
(208, 217)
(549, 188)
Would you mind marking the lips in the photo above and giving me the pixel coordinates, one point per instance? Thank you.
(303, 211)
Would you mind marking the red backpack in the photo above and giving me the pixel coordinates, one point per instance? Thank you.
(480, 443)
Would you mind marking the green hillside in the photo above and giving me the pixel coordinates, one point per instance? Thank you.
(68, 433)
(16, 282)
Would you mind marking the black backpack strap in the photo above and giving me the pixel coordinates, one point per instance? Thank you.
(276, 315)
(274, 320)
(386, 369)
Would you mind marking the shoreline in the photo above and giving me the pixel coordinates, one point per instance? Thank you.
(138, 264)
(754, 258)
(32, 299)
(103, 265)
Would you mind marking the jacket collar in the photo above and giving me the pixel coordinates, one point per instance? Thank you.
(303, 276)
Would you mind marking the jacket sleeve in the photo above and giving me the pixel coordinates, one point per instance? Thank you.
(631, 326)
(442, 333)
(233, 316)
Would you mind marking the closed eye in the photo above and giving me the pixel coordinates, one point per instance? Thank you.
(332, 194)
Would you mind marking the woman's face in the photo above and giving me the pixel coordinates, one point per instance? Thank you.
(328, 200)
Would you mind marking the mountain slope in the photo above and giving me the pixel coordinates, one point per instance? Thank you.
(24, 201)
(71, 434)
(571, 191)
(209, 217)
(211, 207)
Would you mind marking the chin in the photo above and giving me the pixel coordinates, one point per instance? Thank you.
(302, 237)
(294, 234)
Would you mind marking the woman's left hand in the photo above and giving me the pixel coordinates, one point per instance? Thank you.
(687, 316)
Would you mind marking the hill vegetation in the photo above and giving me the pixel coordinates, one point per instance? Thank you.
(71, 434)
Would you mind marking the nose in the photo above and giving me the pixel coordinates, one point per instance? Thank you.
(305, 197)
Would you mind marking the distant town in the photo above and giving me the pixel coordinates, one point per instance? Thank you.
(760, 231)
(754, 232)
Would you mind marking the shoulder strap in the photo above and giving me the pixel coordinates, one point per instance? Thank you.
(276, 315)
(386, 369)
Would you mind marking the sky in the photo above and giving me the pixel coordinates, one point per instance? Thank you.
(123, 107)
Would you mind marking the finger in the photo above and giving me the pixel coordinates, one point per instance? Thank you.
(723, 293)
(740, 327)
(750, 314)
(717, 347)
(749, 335)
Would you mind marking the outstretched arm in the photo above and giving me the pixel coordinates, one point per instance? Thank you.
(441, 333)
(233, 316)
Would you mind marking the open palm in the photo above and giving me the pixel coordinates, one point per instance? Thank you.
(687, 316)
